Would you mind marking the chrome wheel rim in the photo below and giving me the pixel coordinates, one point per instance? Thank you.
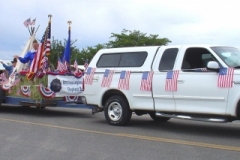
(115, 111)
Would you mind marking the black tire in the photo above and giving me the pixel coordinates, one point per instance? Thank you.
(26, 106)
(158, 119)
(2, 95)
(42, 107)
(117, 111)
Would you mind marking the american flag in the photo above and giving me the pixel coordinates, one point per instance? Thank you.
(3, 78)
(33, 22)
(27, 22)
(201, 69)
(43, 49)
(107, 78)
(61, 67)
(225, 77)
(171, 81)
(124, 80)
(86, 64)
(146, 82)
(88, 77)
(75, 65)
(44, 64)
(47, 40)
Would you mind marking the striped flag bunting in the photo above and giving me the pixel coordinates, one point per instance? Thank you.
(6, 86)
(46, 92)
(88, 77)
(225, 77)
(171, 81)
(124, 80)
(107, 78)
(146, 81)
(25, 90)
(77, 72)
(71, 98)
(3, 79)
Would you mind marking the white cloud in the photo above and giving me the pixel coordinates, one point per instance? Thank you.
(185, 21)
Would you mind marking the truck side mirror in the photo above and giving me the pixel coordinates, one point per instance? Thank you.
(212, 65)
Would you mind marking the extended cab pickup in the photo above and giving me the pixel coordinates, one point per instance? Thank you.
(198, 82)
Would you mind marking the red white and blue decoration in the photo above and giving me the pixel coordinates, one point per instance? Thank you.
(25, 90)
(46, 92)
(71, 98)
(6, 86)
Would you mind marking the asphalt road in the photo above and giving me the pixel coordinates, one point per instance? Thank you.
(76, 134)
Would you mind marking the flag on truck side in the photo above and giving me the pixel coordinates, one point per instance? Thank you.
(124, 80)
(225, 77)
(107, 78)
(171, 81)
(146, 82)
(88, 77)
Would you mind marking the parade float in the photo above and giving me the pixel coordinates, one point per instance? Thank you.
(40, 85)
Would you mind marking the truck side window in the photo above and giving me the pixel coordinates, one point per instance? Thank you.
(109, 60)
(168, 59)
(132, 59)
(125, 59)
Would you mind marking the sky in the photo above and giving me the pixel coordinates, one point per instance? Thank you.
(93, 21)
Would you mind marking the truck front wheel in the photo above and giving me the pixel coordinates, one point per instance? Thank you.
(117, 111)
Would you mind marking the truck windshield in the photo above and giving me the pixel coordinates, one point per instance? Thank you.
(230, 55)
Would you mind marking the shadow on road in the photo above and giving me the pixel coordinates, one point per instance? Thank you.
(47, 112)
(187, 127)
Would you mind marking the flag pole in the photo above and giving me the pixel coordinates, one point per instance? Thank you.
(37, 28)
(29, 31)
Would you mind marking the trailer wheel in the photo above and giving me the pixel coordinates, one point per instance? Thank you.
(2, 95)
(117, 111)
(158, 119)
(40, 107)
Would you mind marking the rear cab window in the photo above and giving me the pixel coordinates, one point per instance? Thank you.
(168, 59)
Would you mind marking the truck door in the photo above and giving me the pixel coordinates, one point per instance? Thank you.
(164, 61)
(197, 89)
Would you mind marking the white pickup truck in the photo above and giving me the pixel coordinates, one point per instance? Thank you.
(197, 82)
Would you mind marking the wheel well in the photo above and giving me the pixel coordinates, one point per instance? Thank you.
(110, 93)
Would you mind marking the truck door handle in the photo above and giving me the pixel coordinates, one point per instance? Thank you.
(180, 81)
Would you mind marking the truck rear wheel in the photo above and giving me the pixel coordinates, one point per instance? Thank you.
(158, 119)
(117, 111)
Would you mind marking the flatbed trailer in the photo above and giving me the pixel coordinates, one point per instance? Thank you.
(40, 99)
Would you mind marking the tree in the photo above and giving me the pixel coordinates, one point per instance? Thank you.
(135, 38)
(125, 39)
